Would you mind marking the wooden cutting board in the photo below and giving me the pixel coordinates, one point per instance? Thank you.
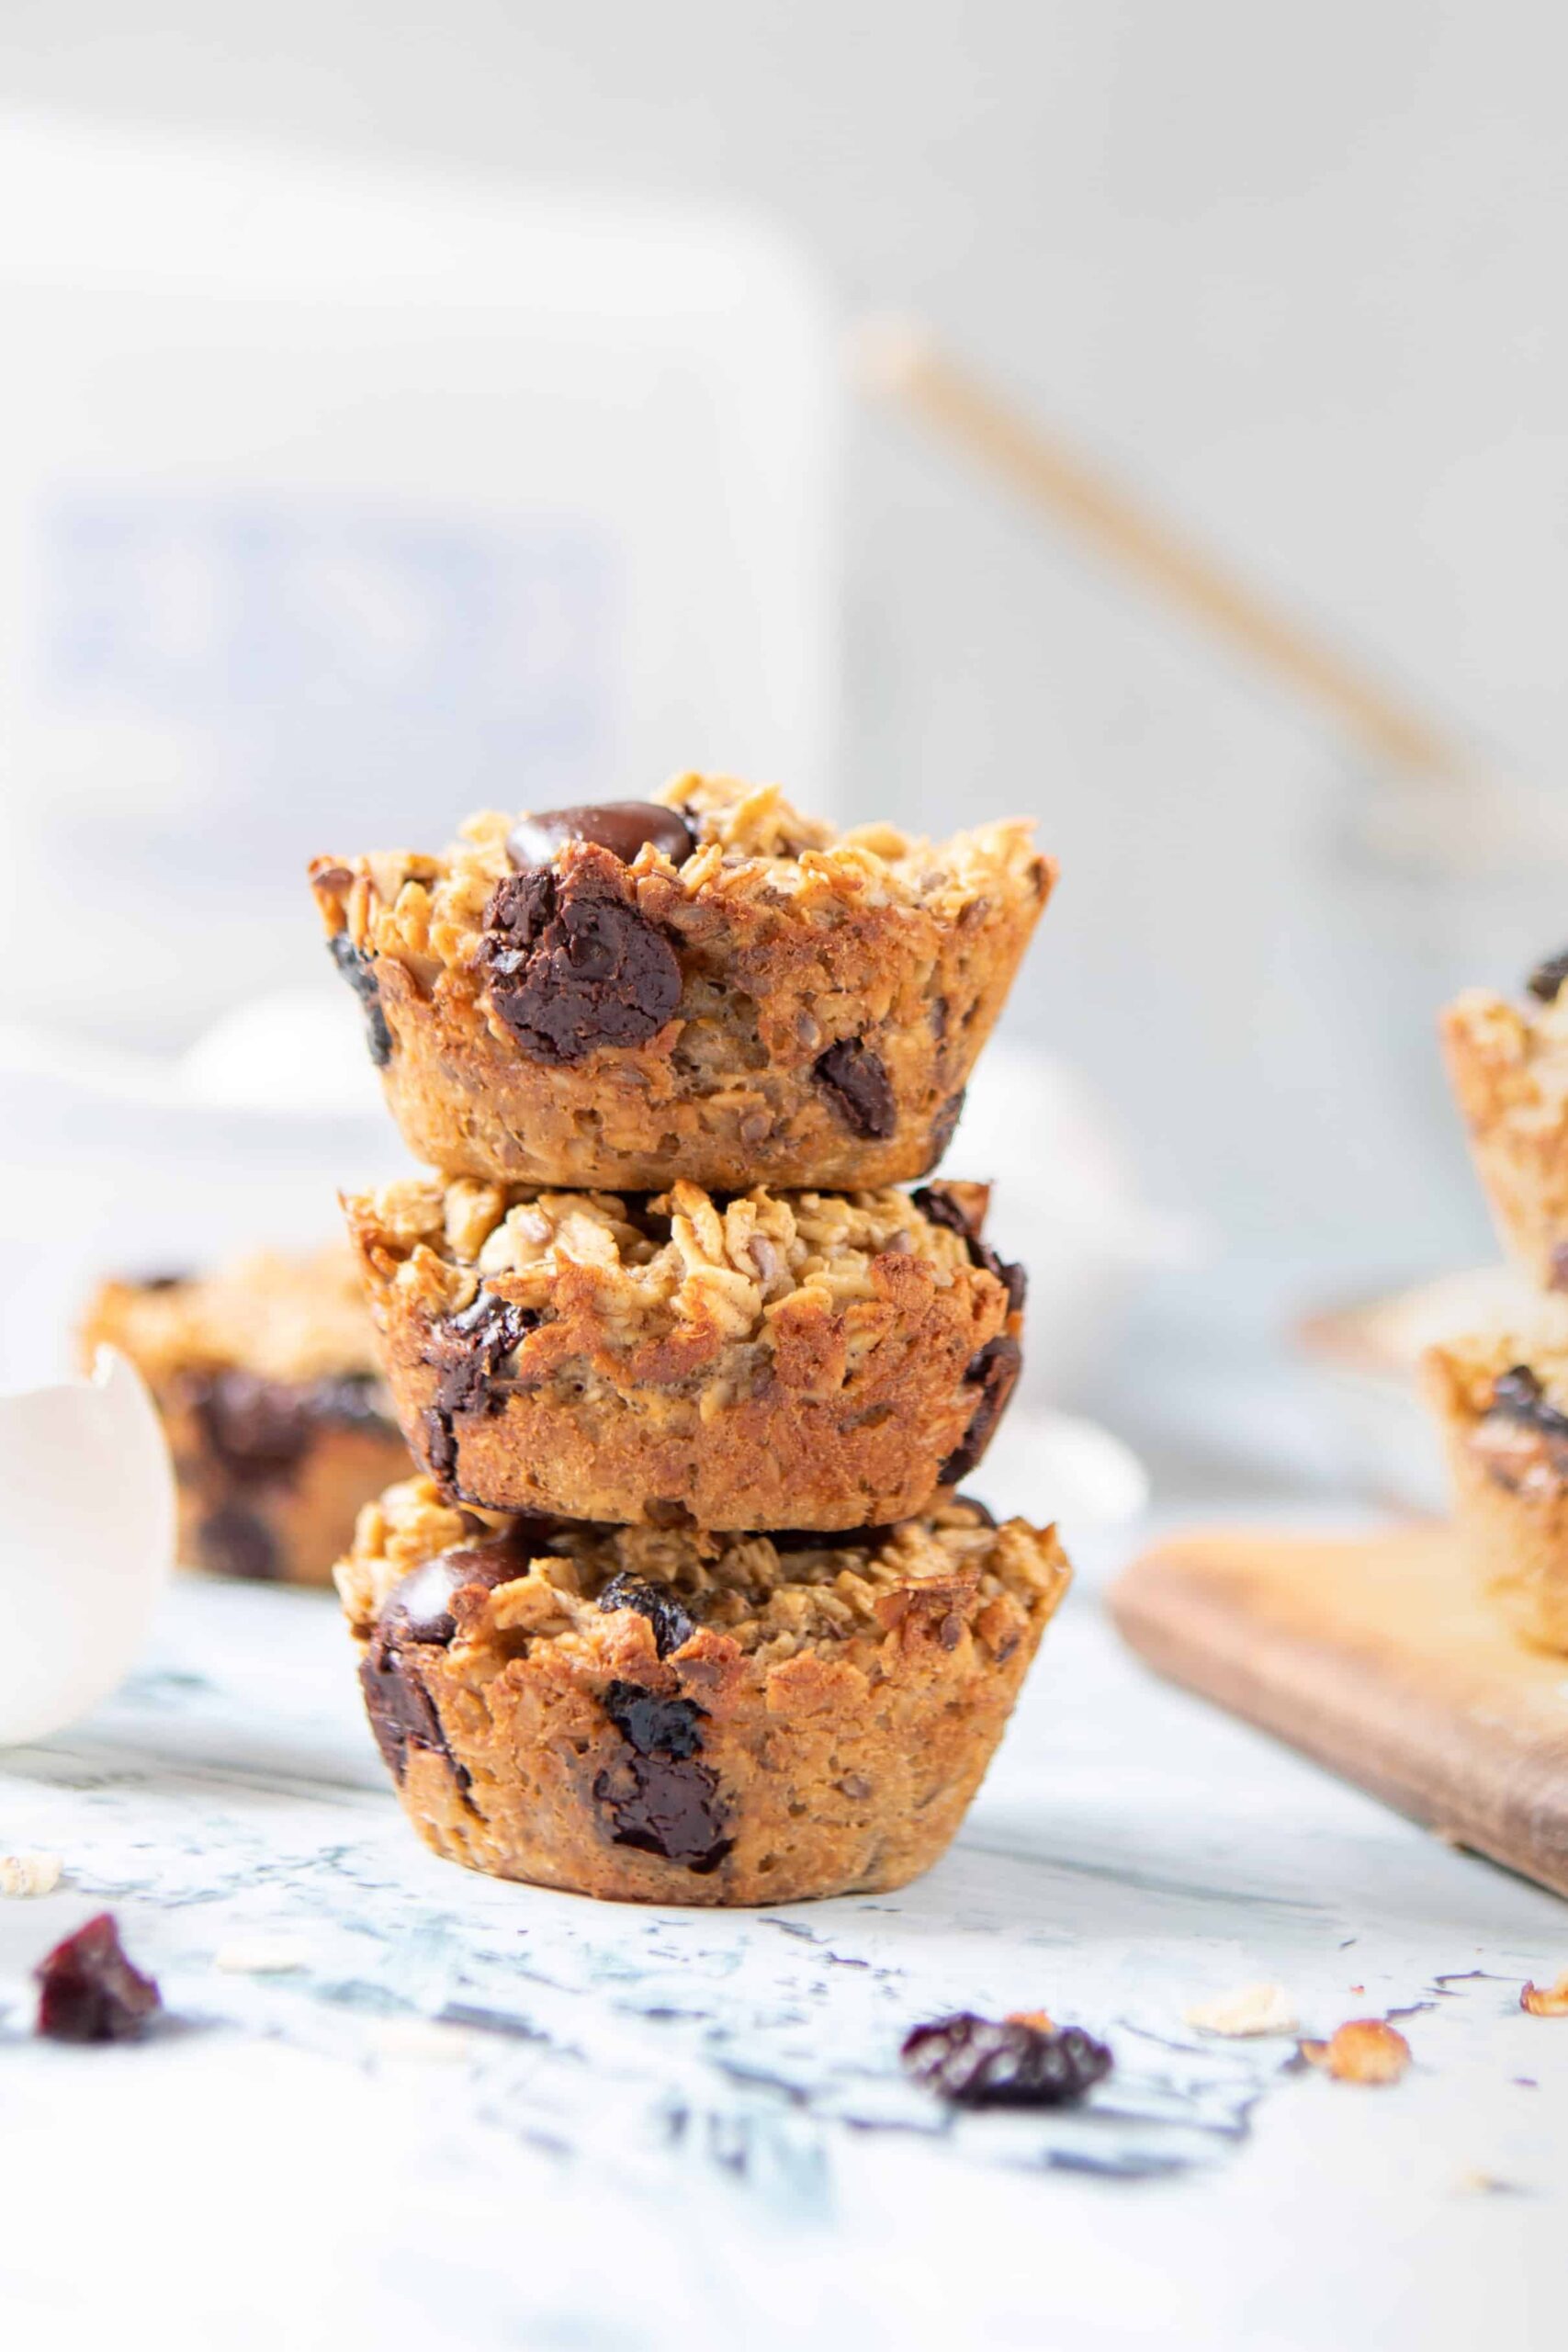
(1376, 1656)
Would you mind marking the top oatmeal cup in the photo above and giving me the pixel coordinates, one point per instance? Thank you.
(707, 985)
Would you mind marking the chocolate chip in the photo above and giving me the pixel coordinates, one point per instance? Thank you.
(162, 1282)
(234, 1542)
(88, 1991)
(976, 2062)
(255, 1430)
(942, 1125)
(419, 1606)
(359, 972)
(995, 1370)
(1547, 979)
(860, 1088)
(1517, 1396)
(671, 1624)
(574, 965)
(938, 1203)
(620, 826)
(659, 1800)
(439, 1445)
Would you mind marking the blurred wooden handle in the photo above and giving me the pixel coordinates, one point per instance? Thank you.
(902, 364)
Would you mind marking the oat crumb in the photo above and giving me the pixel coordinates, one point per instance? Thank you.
(1547, 2000)
(29, 1873)
(1036, 2017)
(1365, 2050)
(260, 1956)
(420, 2038)
(1251, 2008)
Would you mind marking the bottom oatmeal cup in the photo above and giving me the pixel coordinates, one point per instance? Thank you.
(663, 1716)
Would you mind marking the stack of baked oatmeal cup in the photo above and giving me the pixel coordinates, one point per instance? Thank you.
(688, 1607)
(1502, 1393)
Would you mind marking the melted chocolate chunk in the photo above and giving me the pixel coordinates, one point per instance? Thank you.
(258, 1430)
(1546, 981)
(234, 1542)
(858, 1085)
(986, 1517)
(976, 2062)
(88, 1991)
(620, 826)
(574, 966)
(807, 1538)
(937, 1203)
(671, 1624)
(1517, 1396)
(162, 1282)
(419, 1607)
(358, 970)
(467, 1351)
(654, 1727)
(942, 1125)
(657, 1799)
(995, 1370)
(402, 1713)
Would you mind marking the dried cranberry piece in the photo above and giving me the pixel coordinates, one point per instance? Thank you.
(360, 970)
(974, 2062)
(672, 1624)
(856, 1081)
(620, 826)
(572, 965)
(88, 1991)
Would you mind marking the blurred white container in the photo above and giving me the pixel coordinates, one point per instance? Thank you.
(333, 503)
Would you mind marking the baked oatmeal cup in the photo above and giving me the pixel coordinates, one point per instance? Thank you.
(770, 1360)
(1501, 1400)
(1508, 1066)
(663, 1716)
(277, 1420)
(708, 984)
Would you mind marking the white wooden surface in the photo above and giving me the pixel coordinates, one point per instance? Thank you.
(482, 2115)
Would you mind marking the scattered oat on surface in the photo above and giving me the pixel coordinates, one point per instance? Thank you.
(1366, 2050)
(29, 1873)
(1250, 2009)
(1036, 2017)
(260, 1955)
(1547, 2000)
(420, 2038)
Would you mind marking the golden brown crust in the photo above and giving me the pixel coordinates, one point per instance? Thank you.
(1508, 1468)
(791, 942)
(1509, 1072)
(797, 1359)
(816, 1724)
(277, 1420)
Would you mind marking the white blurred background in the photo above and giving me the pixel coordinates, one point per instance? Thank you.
(1292, 273)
